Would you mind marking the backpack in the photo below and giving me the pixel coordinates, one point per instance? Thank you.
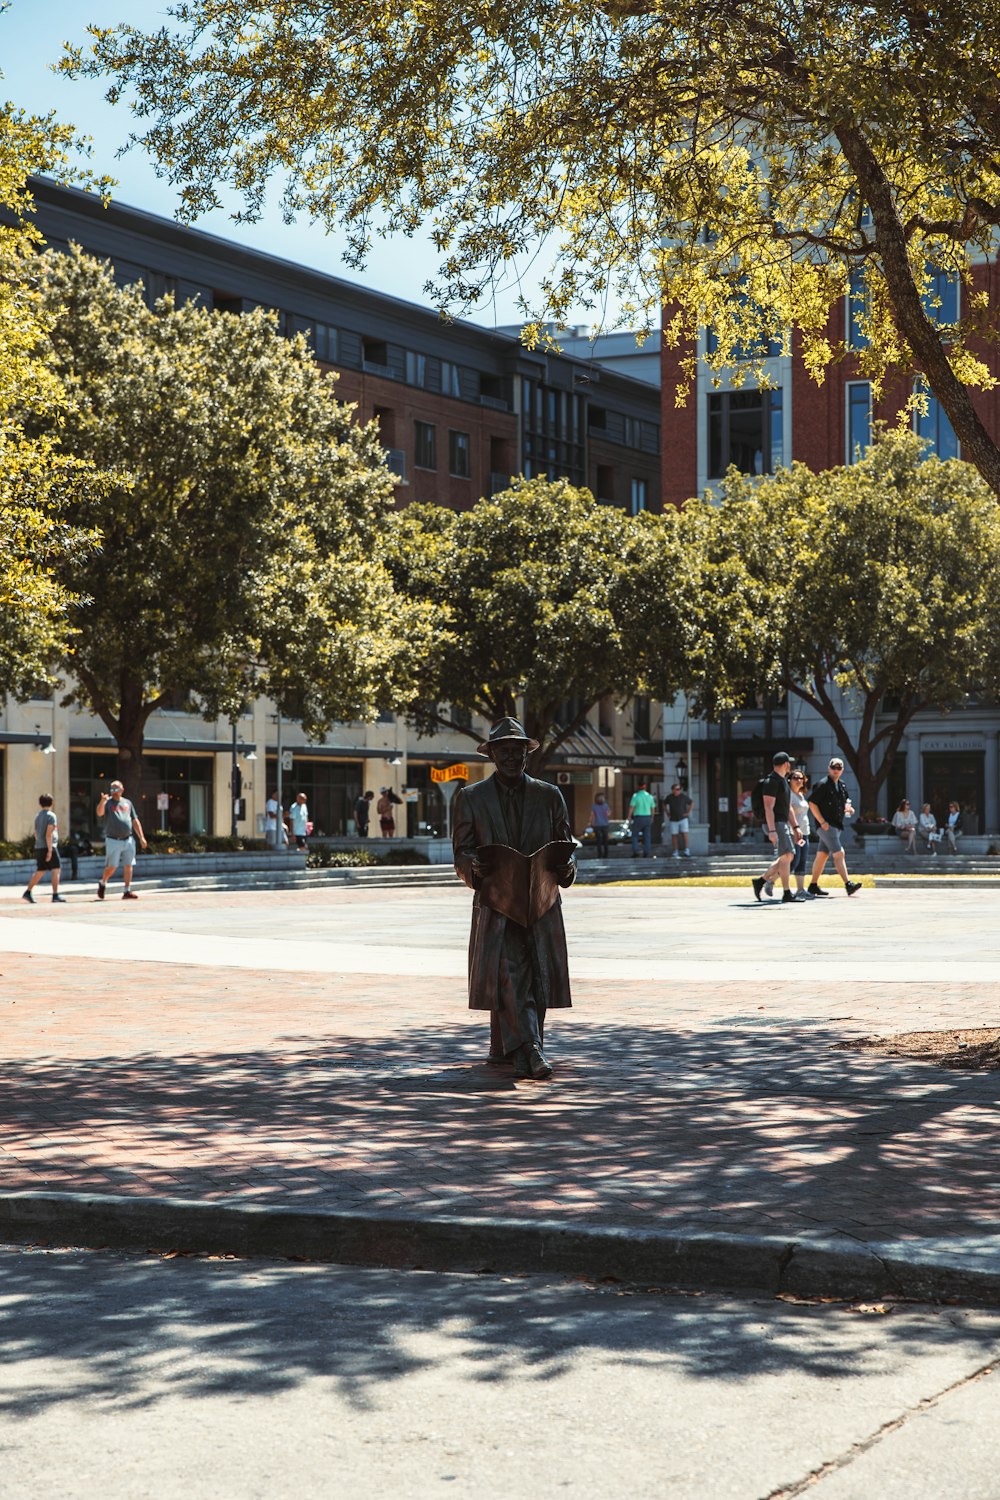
(757, 797)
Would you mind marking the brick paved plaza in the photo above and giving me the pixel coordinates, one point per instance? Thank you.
(314, 1050)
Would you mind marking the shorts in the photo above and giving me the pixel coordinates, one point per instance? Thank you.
(784, 843)
(119, 852)
(681, 826)
(831, 839)
(42, 862)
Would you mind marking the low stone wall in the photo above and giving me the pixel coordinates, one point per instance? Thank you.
(159, 866)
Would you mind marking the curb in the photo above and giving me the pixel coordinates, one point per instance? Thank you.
(926, 1270)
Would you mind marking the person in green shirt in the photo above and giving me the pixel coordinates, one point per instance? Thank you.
(640, 811)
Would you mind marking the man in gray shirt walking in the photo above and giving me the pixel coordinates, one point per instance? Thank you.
(121, 828)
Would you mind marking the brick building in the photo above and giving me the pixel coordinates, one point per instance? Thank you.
(759, 430)
(460, 409)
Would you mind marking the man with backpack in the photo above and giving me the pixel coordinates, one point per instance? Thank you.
(829, 805)
(771, 803)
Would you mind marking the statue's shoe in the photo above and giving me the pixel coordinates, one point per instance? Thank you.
(531, 1062)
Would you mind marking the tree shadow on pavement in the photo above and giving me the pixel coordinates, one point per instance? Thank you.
(85, 1327)
(737, 1126)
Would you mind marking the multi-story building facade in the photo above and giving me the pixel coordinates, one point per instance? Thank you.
(823, 426)
(461, 409)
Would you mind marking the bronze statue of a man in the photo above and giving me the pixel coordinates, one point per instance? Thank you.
(514, 847)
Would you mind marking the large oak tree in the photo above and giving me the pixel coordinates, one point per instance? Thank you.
(241, 528)
(40, 546)
(745, 162)
(546, 601)
(863, 591)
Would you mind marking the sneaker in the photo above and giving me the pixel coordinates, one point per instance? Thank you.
(675, 855)
(27, 896)
(769, 888)
(60, 899)
(815, 890)
(100, 890)
(685, 853)
(787, 896)
(758, 884)
(852, 886)
(129, 896)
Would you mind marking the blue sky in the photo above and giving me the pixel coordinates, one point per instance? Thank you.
(31, 37)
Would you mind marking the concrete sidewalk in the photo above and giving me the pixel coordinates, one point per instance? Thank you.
(699, 1130)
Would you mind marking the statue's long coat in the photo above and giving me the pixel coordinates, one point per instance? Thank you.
(478, 820)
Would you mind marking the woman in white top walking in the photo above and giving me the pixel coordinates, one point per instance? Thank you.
(799, 799)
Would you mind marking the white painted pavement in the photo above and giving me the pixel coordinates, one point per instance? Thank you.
(696, 934)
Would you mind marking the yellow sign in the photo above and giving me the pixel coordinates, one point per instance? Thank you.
(453, 773)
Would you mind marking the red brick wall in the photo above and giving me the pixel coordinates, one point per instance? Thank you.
(678, 433)
(409, 404)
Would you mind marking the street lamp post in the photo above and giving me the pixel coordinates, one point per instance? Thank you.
(236, 785)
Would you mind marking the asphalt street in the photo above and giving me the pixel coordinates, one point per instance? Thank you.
(138, 1378)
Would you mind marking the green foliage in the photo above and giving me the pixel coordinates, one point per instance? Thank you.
(18, 848)
(165, 842)
(242, 525)
(320, 858)
(854, 586)
(39, 488)
(738, 161)
(541, 595)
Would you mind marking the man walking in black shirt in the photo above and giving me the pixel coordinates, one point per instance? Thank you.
(780, 825)
(830, 804)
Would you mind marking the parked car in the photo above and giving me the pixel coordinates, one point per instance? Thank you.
(619, 832)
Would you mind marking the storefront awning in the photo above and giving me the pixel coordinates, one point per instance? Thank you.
(586, 746)
(186, 747)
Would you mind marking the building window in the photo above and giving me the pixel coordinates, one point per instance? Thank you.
(425, 445)
(459, 455)
(745, 430)
(933, 426)
(767, 348)
(859, 420)
(941, 297)
(416, 368)
(638, 496)
(323, 338)
(451, 381)
(857, 310)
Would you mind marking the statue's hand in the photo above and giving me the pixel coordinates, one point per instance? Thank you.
(564, 873)
(478, 869)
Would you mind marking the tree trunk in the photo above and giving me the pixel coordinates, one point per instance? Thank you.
(132, 770)
(911, 318)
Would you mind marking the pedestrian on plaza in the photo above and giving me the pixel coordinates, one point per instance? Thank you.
(797, 794)
(904, 820)
(640, 811)
(600, 814)
(362, 813)
(779, 826)
(273, 821)
(830, 805)
(46, 850)
(386, 809)
(516, 972)
(952, 827)
(121, 828)
(74, 846)
(298, 818)
(927, 829)
(679, 805)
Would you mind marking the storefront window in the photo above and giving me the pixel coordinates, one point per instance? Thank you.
(186, 779)
(427, 817)
(331, 786)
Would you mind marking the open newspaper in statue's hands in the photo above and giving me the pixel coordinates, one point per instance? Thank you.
(522, 886)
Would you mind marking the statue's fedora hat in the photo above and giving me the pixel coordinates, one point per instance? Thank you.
(507, 729)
